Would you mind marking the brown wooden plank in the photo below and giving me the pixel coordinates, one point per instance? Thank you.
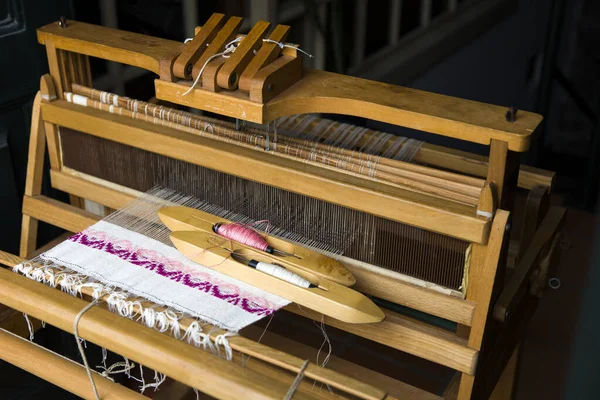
(58, 213)
(389, 202)
(71, 182)
(217, 45)
(481, 277)
(63, 372)
(267, 53)
(182, 68)
(276, 77)
(110, 44)
(477, 165)
(33, 181)
(230, 72)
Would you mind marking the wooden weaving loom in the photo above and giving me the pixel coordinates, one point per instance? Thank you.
(434, 236)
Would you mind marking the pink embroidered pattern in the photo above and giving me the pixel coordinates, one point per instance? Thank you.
(174, 270)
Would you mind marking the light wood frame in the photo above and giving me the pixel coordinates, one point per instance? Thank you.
(459, 351)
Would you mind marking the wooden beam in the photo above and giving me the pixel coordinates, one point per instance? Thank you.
(477, 165)
(63, 372)
(110, 44)
(65, 216)
(482, 273)
(408, 335)
(397, 204)
(172, 357)
(327, 92)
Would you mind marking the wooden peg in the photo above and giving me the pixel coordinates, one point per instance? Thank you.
(229, 74)
(197, 46)
(267, 53)
(225, 35)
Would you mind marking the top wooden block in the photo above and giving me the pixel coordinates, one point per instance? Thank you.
(316, 92)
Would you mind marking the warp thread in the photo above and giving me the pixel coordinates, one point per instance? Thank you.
(80, 346)
(296, 383)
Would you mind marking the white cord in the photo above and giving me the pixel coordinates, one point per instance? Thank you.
(229, 48)
(282, 45)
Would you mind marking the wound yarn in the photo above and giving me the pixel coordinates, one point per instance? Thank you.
(242, 234)
(283, 274)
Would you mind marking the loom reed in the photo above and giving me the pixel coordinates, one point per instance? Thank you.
(391, 172)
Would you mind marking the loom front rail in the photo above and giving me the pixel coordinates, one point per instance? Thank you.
(435, 235)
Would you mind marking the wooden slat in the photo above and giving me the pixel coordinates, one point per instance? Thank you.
(63, 372)
(183, 65)
(409, 295)
(172, 357)
(225, 35)
(110, 44)
(393, 203)
(482, 273)
(267, 53)
(229, 74)
(477, 165)
(396, 389)
(57, 213)
(326, 92)
(69, 181)
(33, 181)
(408, 335)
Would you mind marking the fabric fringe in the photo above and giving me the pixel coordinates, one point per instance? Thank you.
(127, 305)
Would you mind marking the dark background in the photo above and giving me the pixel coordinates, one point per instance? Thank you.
(536, 55)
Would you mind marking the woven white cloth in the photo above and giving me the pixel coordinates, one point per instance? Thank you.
(142, 266)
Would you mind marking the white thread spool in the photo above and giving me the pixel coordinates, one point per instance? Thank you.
(283, 274)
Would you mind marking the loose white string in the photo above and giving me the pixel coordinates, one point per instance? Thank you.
(229, 48)
(80, 347)
(125, 366)
(29, 326)
(282, 45)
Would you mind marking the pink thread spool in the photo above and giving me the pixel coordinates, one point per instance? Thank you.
(244, 235)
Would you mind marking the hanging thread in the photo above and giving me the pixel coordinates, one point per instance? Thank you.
(282, 45)
(229, 48)
(80, 347)
(296, 382)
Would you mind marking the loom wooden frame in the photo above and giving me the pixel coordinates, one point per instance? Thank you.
(460, 351)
